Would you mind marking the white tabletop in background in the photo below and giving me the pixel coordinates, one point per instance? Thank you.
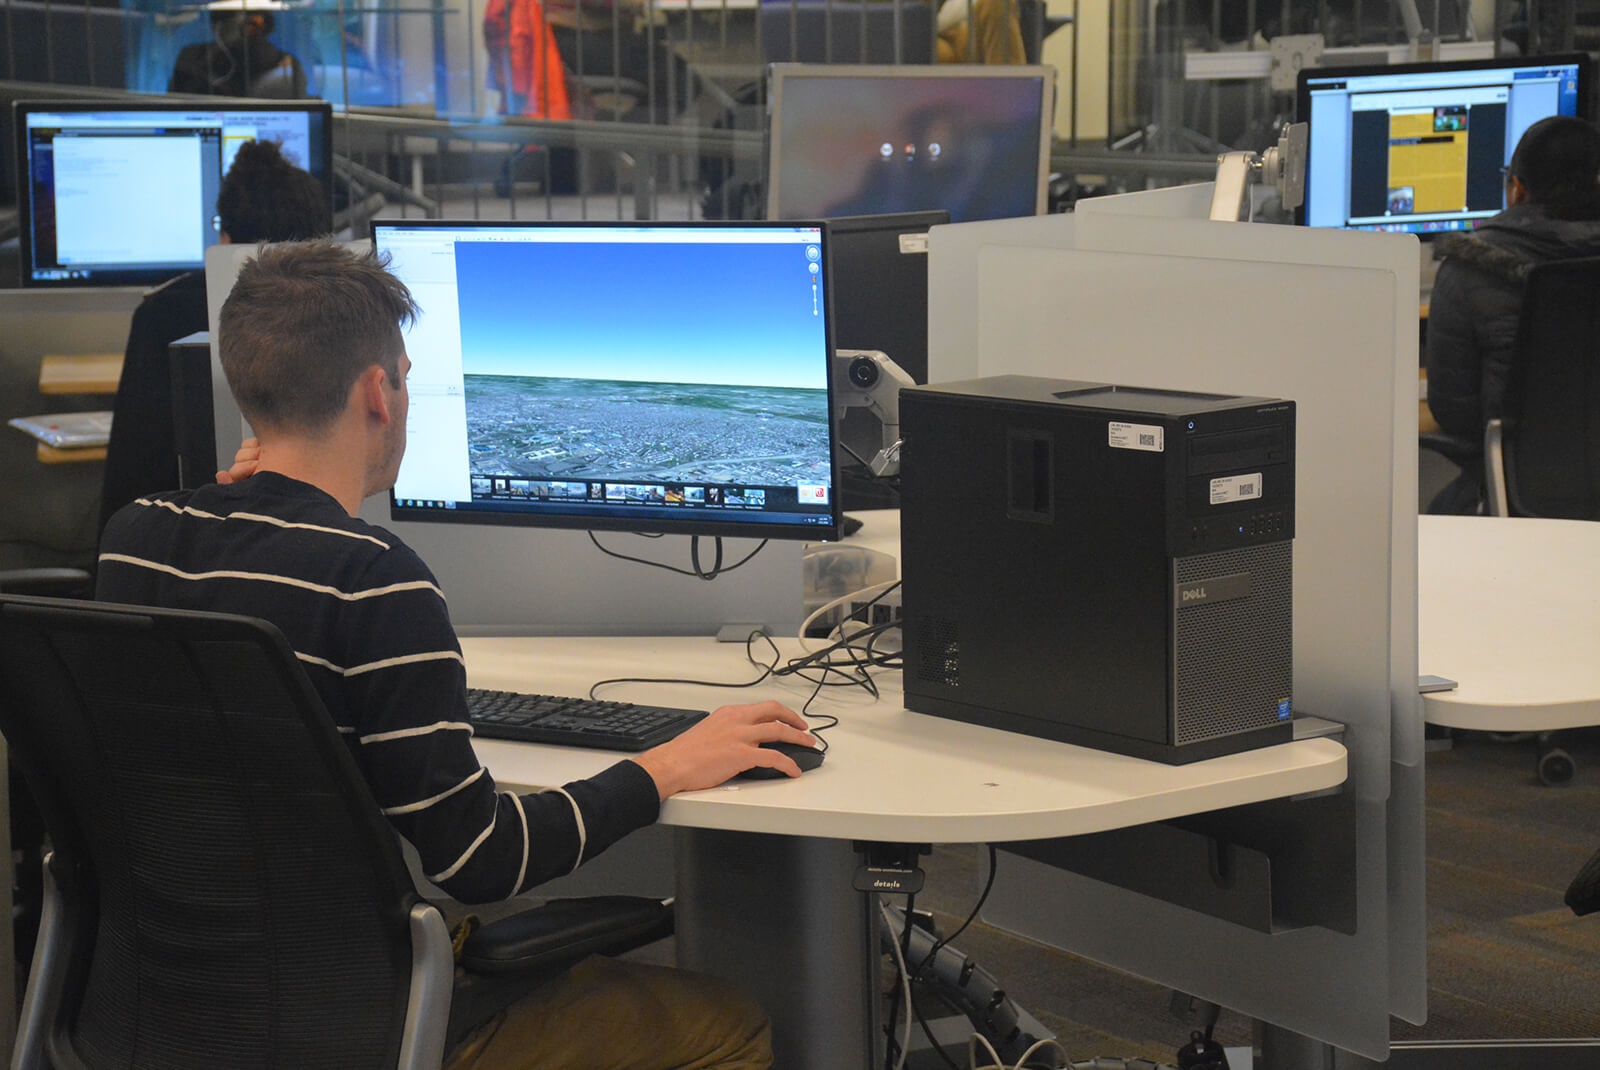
(890, 774)
(1510, 609)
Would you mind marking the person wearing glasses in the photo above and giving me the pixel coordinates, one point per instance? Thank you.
(1552, 213)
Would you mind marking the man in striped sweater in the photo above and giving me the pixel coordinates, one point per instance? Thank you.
(310, 340)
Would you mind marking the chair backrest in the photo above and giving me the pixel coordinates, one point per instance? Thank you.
(846, 31)
(1552, 406)
(234, 897)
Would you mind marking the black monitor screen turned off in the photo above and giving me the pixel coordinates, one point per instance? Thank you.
(121, 196)
(652, 377)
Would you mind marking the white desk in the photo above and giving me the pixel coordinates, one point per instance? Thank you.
(1509, 607)
(764, 871)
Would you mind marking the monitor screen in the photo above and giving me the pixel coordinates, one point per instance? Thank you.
(127, 195)
(1419, 148)
(653, 377)
(880, 291)
(864, 140)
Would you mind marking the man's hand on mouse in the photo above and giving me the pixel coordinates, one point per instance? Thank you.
(725, 744)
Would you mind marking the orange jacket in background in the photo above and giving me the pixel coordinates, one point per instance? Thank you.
(523, 61)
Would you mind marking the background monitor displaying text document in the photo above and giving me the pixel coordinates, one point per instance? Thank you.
(864, 140)
(127, 195)
(1420, 148)
(656, 377)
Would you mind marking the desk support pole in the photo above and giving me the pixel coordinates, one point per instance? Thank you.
(777, 916)
(1282, 1049)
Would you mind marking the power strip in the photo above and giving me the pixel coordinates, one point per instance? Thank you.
(885, 610)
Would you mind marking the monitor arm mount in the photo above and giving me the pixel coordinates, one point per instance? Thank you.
(867, 379)
(1283, 166)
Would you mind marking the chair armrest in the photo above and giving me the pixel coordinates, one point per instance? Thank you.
(1494, 456)
(1462, 450)
(47, 582)
(563, 931)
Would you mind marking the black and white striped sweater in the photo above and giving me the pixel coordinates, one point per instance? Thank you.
(369, 623)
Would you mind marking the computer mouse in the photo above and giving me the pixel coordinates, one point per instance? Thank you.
(807, 758)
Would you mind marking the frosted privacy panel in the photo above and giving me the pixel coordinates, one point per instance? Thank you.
(1132, 298)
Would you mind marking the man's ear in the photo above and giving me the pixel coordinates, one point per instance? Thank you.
(374, 396)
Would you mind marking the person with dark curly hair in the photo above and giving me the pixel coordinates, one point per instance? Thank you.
(263, 197)
(1552, 213)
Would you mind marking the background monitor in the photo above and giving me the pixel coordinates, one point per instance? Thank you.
(126, 194)
(863, 140)
(1419, 148)
(880, 285)
(652, 377)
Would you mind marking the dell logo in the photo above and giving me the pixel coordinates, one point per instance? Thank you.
(1214, 589)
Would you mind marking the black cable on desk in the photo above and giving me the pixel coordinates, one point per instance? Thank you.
(717, 568)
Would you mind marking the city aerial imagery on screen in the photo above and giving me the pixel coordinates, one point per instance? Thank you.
(558, 403)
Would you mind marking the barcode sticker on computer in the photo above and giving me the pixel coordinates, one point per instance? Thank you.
(1235, 488)
(1135, 437)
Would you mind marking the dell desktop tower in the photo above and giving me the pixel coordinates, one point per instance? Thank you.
(1103, 565)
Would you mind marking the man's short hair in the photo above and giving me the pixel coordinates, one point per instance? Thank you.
(1558, 161)
(302, 324)
(264, 197)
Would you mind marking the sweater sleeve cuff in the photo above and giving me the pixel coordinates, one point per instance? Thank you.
(632, 799)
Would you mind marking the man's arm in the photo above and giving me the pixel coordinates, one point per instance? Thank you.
(406, 687)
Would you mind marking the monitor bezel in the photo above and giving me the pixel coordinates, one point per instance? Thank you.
(21, 109)
(1302, 96)
(780, 73)
(692, 523)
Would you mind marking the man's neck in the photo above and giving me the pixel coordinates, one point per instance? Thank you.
(324, 463)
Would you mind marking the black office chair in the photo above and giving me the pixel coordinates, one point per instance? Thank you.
(1542, 458)
(223, 891)
(846, 31)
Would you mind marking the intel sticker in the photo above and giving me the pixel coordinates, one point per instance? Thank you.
(1235, 488)
(1283, 709)
(1135, 437)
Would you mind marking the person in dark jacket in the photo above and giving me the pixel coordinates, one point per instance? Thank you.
(238, 61)
(263, 197)
(1552, 213)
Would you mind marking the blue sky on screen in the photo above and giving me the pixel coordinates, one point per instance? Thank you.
(669, 312)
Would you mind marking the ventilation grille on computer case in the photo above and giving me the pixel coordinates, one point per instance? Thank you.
(938, 652)
(1234, 660)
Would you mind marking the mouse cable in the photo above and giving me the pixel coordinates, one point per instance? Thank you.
(853, 670)
(717, 568)
(767, 671)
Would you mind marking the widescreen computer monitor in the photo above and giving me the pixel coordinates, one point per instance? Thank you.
(126, 194)
(880, 291)
(649, 377)
(1420, 148)
(864, 140)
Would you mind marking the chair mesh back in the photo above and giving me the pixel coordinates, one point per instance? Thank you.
(1553, 395)
(247, 901)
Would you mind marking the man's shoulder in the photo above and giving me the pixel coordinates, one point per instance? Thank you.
(298, 520)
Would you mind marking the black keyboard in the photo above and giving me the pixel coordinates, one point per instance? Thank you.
(575, 722)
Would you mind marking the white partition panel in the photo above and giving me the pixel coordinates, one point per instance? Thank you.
(1120, 294)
